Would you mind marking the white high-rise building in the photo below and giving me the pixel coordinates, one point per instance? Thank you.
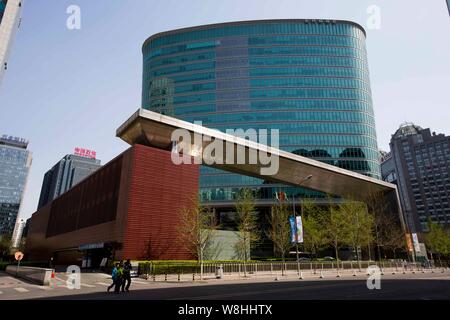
(9, 23)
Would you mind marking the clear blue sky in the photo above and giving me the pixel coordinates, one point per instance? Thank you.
(74, 88)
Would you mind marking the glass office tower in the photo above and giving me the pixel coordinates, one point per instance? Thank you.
(15, 162)
(307, 78)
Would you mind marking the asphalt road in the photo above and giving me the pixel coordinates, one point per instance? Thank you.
(417, 286)
(423, 289)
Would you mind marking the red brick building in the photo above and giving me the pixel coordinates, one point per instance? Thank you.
(126, 210)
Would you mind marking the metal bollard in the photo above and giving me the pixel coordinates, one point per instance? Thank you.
(193, 277)
(165, 276)
(154, 277)
(178, 277)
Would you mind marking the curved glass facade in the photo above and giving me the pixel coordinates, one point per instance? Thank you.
(309, 79)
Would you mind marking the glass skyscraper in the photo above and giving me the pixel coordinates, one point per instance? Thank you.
(307, 78)
(15, 162)
(69, 171)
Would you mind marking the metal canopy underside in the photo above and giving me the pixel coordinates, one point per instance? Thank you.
(154, 129)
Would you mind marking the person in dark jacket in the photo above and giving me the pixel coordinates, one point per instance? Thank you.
(127, 267)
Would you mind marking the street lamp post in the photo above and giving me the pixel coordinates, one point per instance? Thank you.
(301, 208)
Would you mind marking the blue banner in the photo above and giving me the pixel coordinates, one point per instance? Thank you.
(293, 224)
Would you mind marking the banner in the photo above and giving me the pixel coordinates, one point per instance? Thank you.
(293, 229)
(416, 242)
(299, 229)
(409, 242)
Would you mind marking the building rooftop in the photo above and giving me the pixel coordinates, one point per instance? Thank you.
(407, 129)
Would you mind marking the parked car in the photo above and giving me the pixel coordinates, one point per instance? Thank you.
(328, 258)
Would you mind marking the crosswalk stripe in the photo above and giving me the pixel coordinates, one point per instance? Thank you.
(1, 292)
(138, 282)
(87, 285)
(103, 284)
(21, 290)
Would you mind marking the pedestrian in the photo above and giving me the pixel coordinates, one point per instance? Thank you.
(114, 276)
(126, 276)
(119, 277)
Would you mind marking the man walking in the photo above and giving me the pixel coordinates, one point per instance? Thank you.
(126, 276)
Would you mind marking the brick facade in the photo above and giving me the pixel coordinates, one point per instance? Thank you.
(137, 216)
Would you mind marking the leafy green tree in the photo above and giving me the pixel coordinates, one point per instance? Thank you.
(279, 229)
(315, 235)
(358, 225)
(247, 224)
(336, 228)
(196, 228)
(437, 240)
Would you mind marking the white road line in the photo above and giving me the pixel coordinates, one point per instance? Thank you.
(1, 292)
(138, 282)
(23, 290)
(87, 285)
(44, 288)
(103, 284)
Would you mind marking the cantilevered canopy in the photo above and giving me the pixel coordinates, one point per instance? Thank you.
(154, 129)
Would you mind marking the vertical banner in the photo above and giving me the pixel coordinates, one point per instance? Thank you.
(416, 242)
(299, 229)
(409, 242)
(293, 229)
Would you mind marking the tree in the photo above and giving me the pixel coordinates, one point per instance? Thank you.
(315, 236)
(358, 225)
(279, 229)
(437, 239)
(195, 229)
(391, 234)
(336, 229)
(5, 246)
(247, 224)
(387, 225)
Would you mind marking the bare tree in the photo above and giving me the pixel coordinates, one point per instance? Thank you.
(195, 229)
(279, 229)
(247, 224)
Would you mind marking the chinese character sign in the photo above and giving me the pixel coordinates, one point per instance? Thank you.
(85, 153)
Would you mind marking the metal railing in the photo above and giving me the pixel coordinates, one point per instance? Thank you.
(279, 268)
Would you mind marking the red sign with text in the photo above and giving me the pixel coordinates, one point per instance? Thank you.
(85, 153)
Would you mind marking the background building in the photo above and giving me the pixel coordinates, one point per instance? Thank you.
(127, 209)
(65, 174)
(307, 78)
(15, 162)
(9, 23)
(420, 163)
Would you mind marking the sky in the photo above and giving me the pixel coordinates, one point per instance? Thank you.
(72, 88)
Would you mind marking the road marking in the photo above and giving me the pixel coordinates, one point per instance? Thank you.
(138, 282)
(44, 288)
(87, 285)
(23, 290)
(103, 284)
(1, 292)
